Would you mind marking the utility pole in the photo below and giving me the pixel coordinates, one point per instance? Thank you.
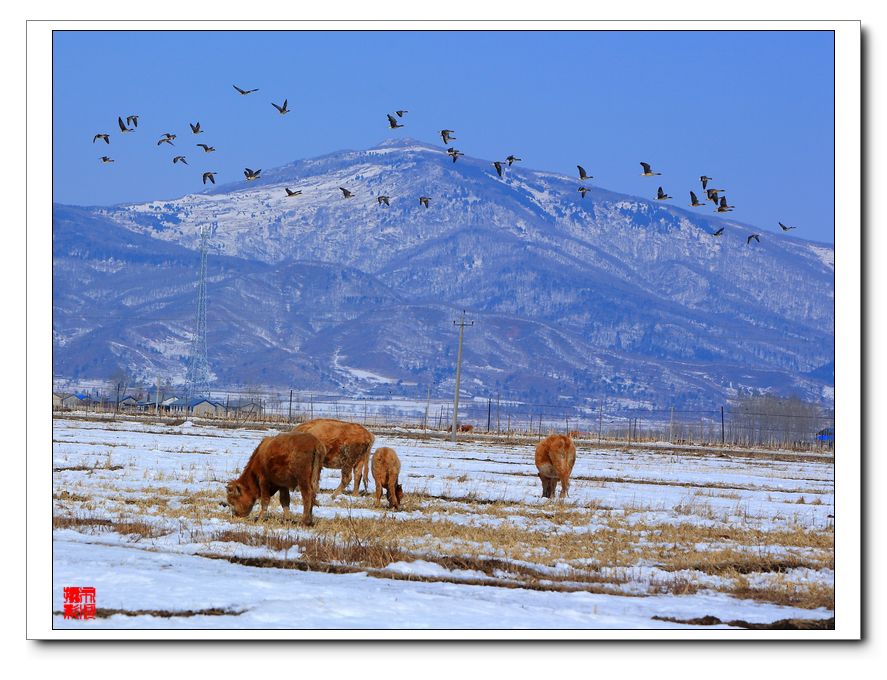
(427, 406)
(461, 324)
(498, 422)
(722, 425)
(157, 398)
(290, 412)
(600, 422)
(489, 412)
(671, 426)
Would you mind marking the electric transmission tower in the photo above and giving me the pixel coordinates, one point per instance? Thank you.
(198, 375)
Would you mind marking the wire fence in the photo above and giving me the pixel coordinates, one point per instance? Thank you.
(764, 423)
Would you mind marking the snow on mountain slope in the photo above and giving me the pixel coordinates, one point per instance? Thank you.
(640, 285)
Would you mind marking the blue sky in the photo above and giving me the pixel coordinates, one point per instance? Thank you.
(754, 110)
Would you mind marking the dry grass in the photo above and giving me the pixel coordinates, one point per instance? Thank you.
(104, 613)
(565, 546)
(126, 528)
(781, 624)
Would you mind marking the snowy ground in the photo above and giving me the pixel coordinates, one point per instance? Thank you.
(644, 533)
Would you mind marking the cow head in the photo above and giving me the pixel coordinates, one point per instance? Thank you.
(238, 500)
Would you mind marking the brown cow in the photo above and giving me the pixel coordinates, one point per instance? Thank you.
(362, 472)
(555, 457)
(347, 444)
(466, 428)
(386, 468)
(281, 464)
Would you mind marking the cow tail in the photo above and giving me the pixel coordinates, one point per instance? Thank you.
(366, 463)
(316, 465)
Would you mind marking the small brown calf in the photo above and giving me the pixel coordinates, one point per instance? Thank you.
(386, 468)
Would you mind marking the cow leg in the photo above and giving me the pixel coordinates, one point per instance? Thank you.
(546, 486)
(346, 477)
(285, 502)
(392, 492)
(358, 474)
(265, 499)
(378, 499)
(565, 485)
(307, 501)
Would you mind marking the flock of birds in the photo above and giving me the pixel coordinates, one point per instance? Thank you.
(394, 121)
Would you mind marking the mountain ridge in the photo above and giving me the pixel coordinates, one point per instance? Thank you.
(608, 274)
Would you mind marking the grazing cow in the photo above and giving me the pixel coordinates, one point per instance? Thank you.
(555, 457)
(347, 444)
(281, 463)
(386, 468)
(466, 428)
(574, 433)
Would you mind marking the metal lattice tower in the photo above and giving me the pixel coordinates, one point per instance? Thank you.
(198, 375)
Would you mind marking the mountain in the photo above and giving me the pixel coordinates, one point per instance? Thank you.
(572, 298)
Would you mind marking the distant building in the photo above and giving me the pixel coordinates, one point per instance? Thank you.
(77, 400)
(127, 403)
(203, 406)
(826, 436)
(197, 406)
(244, 407)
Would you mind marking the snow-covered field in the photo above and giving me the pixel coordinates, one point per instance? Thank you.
(644, 533)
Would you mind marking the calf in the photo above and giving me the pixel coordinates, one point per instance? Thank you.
(386, 468)
(555, 457)
(279, 464)
(347, 444)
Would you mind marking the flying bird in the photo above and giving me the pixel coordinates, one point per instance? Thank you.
(447, 135)
(661, 195)
(132, 120)
(290, 192)
(346, 193)
(713, 194)
(583, 191)
(392, 122)
(251, 174)
(424, 200)
(498, 166)
(511, 159)
(165, 140)
(753, 236)
(582, 175)
(195, 128)
(718, 232)
(169, 135)
(694, 202)
(382, 199)
(785, 228)
(106, 159)
(705, 180)
(647, 172)
(206, 147)
(101, 135)
(244, 92)
(123, 128)
(454, 153)
(282, 109)
(723, 207)
(179, 159)
(401, 112)
(211, 176)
